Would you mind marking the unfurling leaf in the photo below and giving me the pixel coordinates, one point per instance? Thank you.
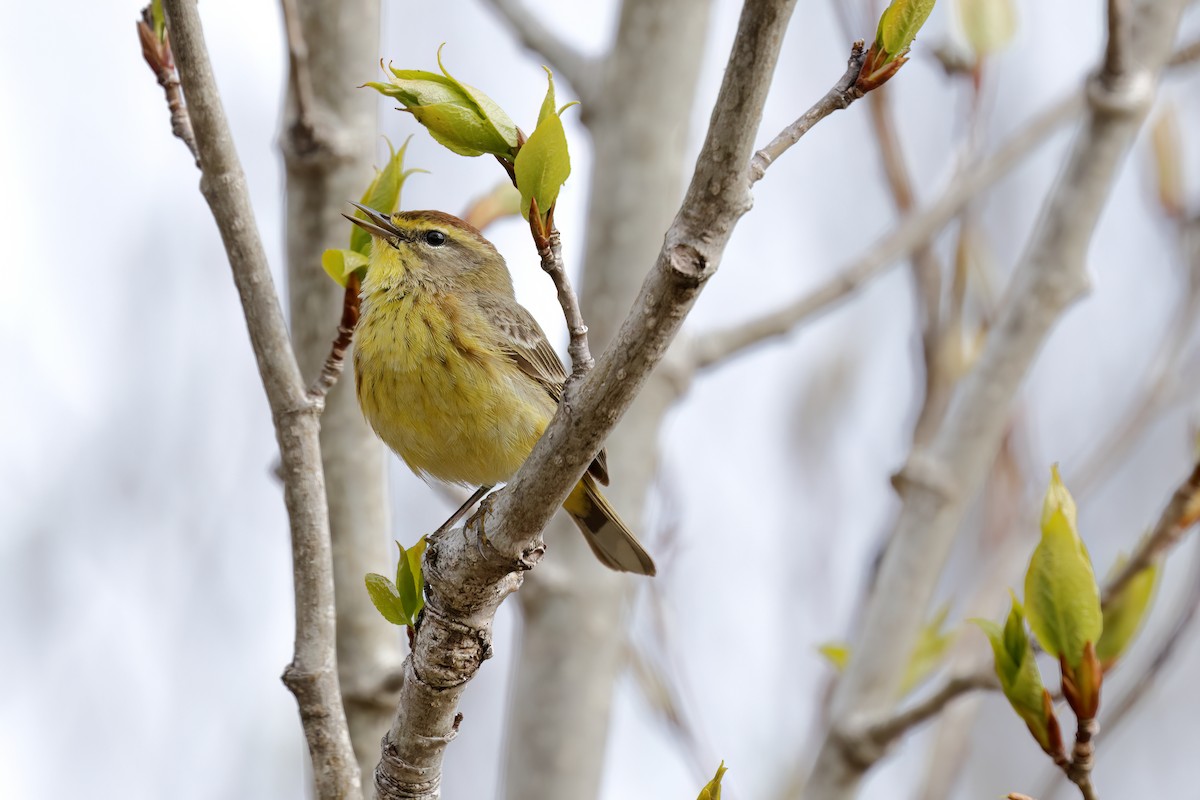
(341, 263)
(1062, 600)
(989, 25)
(386, 600)
(401, 602)
(712, 789)
(931, 645)
(543, 163)
(1020, 678)
(382, 195)
(836, 653)
(458, 116)
(1125, 613)
(899, 24)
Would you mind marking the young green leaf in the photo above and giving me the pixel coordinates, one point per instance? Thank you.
(410, 582)
(458, 116)
(542, 166)
(927, 653)
(1062, 600)
(1124, 614)
(899, 24)
(1020, 678)
(386, 600)
(341, 263)
(712, 789)
(382, 195)
(836, 653)
(989, 25)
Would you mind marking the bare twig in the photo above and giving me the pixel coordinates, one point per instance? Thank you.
(710, 349)
(549, 248)
(939, 481)
(871, 741)
(299, 77)
(1120, 34)
(580, 70)
(335, 361)
(1187, 54)
(840, 96)
(466, 584)
(1083, 755)
(158, 56)
(1181, 513)
(312, 675)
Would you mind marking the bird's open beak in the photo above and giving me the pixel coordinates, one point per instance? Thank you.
(376, 224)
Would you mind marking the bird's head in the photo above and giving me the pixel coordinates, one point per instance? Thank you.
(430, 246)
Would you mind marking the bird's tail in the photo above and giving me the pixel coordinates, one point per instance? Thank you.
(612, 542)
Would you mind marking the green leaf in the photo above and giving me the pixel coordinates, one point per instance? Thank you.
(899, 24)
(458, 116)
(931, 645)
(1125, 613)
(159, 19)
(410, 582)
(386, 600)
(712, 789)
(548, 102)
(542, 166)
(989, 25)
(1018, 672)
(383, 194)
(1062, 600)
(836, 653)
(341, 263)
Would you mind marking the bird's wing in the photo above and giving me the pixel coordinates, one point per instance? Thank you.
(523, 340)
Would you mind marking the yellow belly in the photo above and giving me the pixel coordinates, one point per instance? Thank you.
(437, 395)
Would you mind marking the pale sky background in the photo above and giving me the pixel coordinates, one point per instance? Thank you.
(145, 607)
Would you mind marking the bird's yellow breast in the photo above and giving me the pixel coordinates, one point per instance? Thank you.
(439, 393)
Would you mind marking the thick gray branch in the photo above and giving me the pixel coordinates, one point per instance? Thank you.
(312, 674)
(937, 483)
(328, 142)
(466, 586)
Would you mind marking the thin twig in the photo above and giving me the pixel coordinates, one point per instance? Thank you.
(299, 77)
(335, 361)
(710, 349)
(581, 71)
(1083, 756)
(840, 96)
(1120, 33)
(549, 248)
(885, 731)
(158, 56)
(312, 675)
(1181, 513)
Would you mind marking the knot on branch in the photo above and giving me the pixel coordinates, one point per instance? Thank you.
(1127, 94)
(923, 471)
(860, 750)
(448, 652)
(311, 145)
(689, 266)
(395, 778)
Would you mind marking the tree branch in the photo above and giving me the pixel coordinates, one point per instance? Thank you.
(335, 361)
(312, 675)
(1181, 513)
(466, 584)
(915, 231)
(299, 75)
(843, 93)
(579, 70)
(158, 56)
(938, 482)
(549, 248)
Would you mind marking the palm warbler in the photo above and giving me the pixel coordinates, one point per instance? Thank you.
(456, 376)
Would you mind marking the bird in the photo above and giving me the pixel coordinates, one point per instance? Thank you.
(457, 377)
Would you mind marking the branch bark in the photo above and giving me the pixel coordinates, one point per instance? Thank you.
(328, 143)
(573, 640)
(466, 584)
(938, 482)
(312, 675)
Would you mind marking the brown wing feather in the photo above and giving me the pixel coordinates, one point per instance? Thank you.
(524, 341)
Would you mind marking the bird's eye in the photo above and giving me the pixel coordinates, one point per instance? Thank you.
(435, 238)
